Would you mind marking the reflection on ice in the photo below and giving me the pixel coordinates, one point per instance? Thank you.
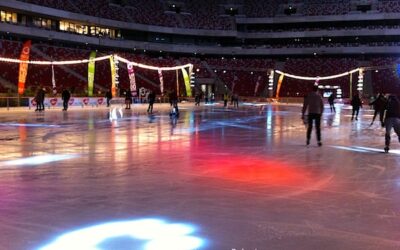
(365, 149)
(39, 159)
(152, 234)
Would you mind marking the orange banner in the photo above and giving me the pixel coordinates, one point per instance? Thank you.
(278, 90)
(23, 66)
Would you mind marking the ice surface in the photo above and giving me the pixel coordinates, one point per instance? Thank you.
(243, 179)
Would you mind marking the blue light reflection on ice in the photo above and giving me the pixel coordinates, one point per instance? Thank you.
(39, 159)
(155, 234)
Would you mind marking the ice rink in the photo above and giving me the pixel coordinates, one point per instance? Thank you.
(215, 178)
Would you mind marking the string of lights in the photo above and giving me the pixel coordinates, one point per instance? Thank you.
(315, 78)
(144, 66)
(121, 59)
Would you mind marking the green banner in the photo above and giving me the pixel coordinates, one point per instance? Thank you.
(186, 79)
(91, 68)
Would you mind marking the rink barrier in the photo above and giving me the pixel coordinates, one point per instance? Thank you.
(56, 102)
(14, 102)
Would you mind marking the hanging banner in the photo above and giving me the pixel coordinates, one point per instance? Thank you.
(23, 66)
(186, 79)
(278, 89)
(257, 85)
(132, 79)
(53, 80)
(161, 81)
(177, 82)
(113, 74)
(91, 69)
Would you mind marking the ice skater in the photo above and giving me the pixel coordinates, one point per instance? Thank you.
(331, 101)
(108, 97)
(151, 100)
(391, 119)
(356, 104)
(128, 99)
(235, 99)
(174, 102)
(379, 107)
(314, 104)
(226, 97)
(197, 99)
(40, 95)
(65, 95)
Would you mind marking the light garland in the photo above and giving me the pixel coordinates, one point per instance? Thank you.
(144, 66)
(317, 78)
(121, 59)
(11, 60)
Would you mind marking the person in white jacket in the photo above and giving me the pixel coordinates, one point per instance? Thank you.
(314, 104)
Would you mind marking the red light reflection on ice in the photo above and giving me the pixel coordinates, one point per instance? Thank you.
(254, 170)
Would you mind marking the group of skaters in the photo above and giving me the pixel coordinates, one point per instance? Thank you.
(388, 108)
(39, 99)
(40, 96)
(234, 98)
(151, 99)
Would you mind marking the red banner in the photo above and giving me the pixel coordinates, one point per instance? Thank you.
(23, 66)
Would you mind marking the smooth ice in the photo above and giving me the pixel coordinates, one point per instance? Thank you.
(214, 178)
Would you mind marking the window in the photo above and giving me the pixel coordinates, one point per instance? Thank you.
(8, 17)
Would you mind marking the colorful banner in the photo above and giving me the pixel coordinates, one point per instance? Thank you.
(186, 79)
(257, 85)
(278, 89)
(113, 74)
(132, 79)
(53, 80)
(23, 66)
(161, 81)
(91, 70)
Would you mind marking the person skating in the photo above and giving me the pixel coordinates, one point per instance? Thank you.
(65, 96)
(314, 104)
(174, 102)
(128, 99)
(197, 99)
(391, 119)
(331, 101)
(108, 97)
(151, 100)
(41, 95)
(379, 107)
(356, 104)
(235, 99)
(37, 99)
(226, 97)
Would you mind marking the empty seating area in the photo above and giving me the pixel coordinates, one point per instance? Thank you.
(316, 67)
(241, 75)
(386, 80)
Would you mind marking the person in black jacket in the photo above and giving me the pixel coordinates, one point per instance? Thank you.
(314, 104)
(357, 104)
(128, 99)
(65, 95)
(379, 107)
(331, 100)
(108, 97)
(392, 119)
(151, 99)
